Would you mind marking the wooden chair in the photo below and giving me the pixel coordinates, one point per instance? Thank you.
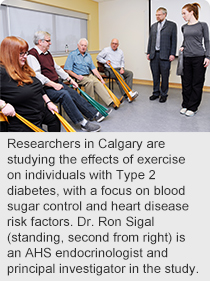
(101, 70)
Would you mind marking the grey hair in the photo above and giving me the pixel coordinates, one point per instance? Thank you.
(163, 10)
(82, 39)
(40, 35)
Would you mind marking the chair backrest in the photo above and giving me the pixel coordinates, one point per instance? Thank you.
(100, 67)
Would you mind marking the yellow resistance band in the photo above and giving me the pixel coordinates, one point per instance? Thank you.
(3, 118)
(29, 124)
(114, 98)
(65, 124)
(122, 82)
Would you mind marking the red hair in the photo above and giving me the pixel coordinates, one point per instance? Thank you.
(192, 7)
(10, 49)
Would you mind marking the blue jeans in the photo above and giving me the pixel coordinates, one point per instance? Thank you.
(72, 102)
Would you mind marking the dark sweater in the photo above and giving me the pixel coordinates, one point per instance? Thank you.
(47, 64)
(27, 99)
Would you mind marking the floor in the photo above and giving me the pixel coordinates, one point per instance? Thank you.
(143, 115)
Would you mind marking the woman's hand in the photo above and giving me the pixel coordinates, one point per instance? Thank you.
(206, 62)
(52, 107)
(8, 110)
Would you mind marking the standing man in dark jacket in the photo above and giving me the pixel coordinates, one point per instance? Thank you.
(161, 52)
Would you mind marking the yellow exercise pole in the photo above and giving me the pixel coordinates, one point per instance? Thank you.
(114, 98)
(120, 78)
(123, 84)
(65, 124)
(28, 123)
(3, 118)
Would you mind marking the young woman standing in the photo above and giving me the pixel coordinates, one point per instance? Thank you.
(196, 58)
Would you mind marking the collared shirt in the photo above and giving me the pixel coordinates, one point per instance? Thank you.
(35, 65)
(116, 57)
(78, 63)
(159, 27)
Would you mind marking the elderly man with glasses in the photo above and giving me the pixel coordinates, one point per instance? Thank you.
(48, 72)
(161, 52)
(114, 55)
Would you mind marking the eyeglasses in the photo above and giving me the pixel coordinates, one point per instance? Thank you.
(48, 41)
(22, 54)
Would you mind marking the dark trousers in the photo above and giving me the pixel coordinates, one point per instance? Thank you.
(192, 82)
(160, 69)
(46, 117)
(52, 122)
(72, 102)
(3, 126)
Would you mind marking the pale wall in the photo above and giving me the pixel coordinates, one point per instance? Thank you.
(84, 6)
(127, 20)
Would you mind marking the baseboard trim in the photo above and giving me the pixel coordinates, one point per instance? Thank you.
(171, 85)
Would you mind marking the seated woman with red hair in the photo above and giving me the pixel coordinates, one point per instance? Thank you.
(21, 91)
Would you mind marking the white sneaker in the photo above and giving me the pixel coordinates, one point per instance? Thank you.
(183, 110)
(133, 95)
(190, 113)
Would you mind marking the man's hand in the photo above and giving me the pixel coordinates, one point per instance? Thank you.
(74, 84)
(102, 81)
(148, 56)
(57, 86)
(80, 77)
(171, 58)
(122, 70)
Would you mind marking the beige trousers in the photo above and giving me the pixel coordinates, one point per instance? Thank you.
(93, 86)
